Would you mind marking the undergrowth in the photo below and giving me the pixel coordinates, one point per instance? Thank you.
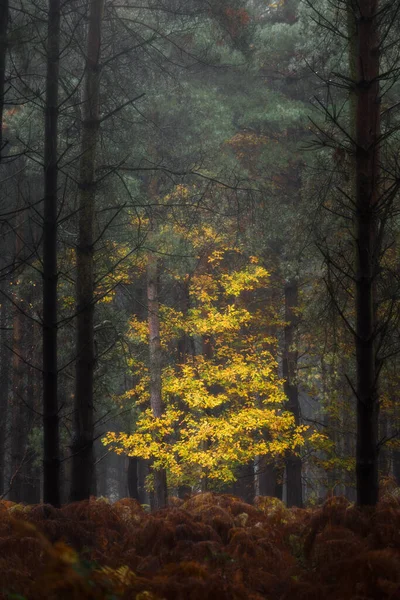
(208, 547)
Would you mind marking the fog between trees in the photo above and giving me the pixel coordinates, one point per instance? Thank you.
(199, 249)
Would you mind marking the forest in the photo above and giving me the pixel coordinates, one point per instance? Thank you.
(199, 299)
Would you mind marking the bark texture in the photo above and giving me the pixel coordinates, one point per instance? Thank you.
(31, 493)
(366, 248)
(51, 450)
(133, 481)
(4, 16)
(18, 440)
(82, 446)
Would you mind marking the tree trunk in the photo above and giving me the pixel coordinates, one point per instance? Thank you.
(366, 249)
(293, 461)
(31, 492)
(18, 425)
(51, 443)
(269, 478)
(18, 411)
(4, 391)
(155, 366)
(244, 486)
(396, 466)
(82, 446)
(4, 14)
(133, 481)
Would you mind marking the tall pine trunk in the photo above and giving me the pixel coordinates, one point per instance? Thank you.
(18, 413)
(367, 127)
(18, 426)
(160, 476)
(82, 445)
(51, 450)
(4, 15)
(293, 461)
(83, 469)
(31, 493)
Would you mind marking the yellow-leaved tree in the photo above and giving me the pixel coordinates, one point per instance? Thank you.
(223, 399)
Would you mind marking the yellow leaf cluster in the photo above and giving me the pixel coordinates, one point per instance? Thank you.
(222, 407)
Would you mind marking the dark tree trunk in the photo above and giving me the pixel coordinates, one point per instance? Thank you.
(244, 486)
(4, 390)
(289, 366)
(82, 445)
(4, 15)
(366, 248)
(155, 367)
(269, 478)
(396, 466)
(51, 443)
(133, 481)
(31, 494)
(18, 410)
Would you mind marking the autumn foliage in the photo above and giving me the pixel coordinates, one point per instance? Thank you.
(209, 546)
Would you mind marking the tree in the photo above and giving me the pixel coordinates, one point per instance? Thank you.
(367, 250)
(4, 16)
(51, 460)
(82, 445)
(218, 401)
(362, 205)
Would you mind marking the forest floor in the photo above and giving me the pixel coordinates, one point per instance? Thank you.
(210, 547)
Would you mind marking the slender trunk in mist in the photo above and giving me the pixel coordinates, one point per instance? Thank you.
(269, 474)
(82, 445)
(367, 128)
(31, 493)
(18, 425)
(4, 14)
(4, 389)
(133, 482)
(155, 365)
(293, 461)
(51, 443)
(18, 414)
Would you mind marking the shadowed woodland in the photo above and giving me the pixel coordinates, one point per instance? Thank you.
(199, 299)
